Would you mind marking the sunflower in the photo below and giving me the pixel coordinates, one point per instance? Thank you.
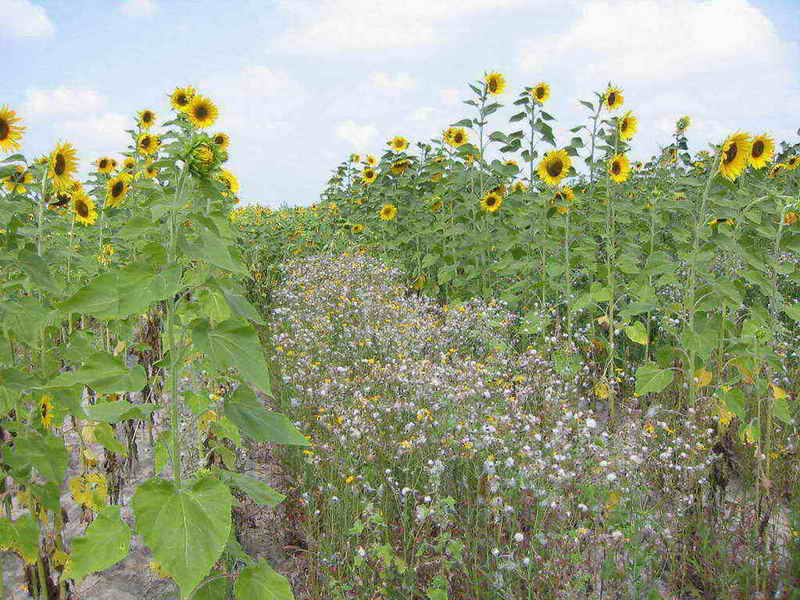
(491, 202)
(113, 164)
(683, 123)
(90, 490)
(116, 189)
(456, 136)
(128, 164)
(62, 198)
(63, 164)
(436, 203)
(793, 163)
(369, 175)
(564, 194)
(202, 112)
(46, 410)
(790, 218)
(500, 189)
(355, 158)
(371, 160)
(613, 98)
(776, 170)
(735, 153)
(150, 171)
(16, 182)
(105, 164)
(619, 168)
(147, 118)
(722, 221)
(554, 166)
(761, 151)
(230, 181)
(181, 98)
(627, 126)
(541, 92)
(204, 154)
(358, 228)
(83, 208)
(222, 140)
(495, 83)
(519, 186)
(10, 132)
(147, 143)
(388, 212)
(399, 167)
(398, 143)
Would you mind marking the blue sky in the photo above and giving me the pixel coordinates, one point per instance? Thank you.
(300, 84)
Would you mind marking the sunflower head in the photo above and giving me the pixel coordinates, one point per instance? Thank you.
(554, 166)
(63, 165)
(761, 151)
(355, 158)
(128, 164)
(201, 111)
(400, 166)
(398, 143)
(627, 126)
(793, 162)
(181, 98)
(541, 92)
(83, 208)
(117, 189)
(105, 164)
(229, 180)
(735, 155)
(495, 83)
(455, 136)
(776, 170)
(388, 212)
(519, 186)
(16, 182)
(371, 160)
(10, 130)
(613, 98)
(148, 143)
(147, 118)
(491, 202)
(369, 175)
(683, 124)
(221, 140)
(619, 168)
(563, 195)
(150, 171)
(46, 410)
(358, 228)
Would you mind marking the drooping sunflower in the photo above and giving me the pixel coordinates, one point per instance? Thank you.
(16, 182)
(60, 198)
(83, 208)
(619, 168)
(10, 131)
(105, 164)
(230, 181)
(541, 92)
(554, 166)
(683, 123)
(357, 228)
(147, 118)
(202, 112)
(761, 151)
(371, 160)
(735, 155)
(627, 125)
(519, 186)
(150, 171)
(369, 175)
(456, 136)
(613, 98)
(399, 167)
(222, 140)
(388, 212)
(116, 189)
(148, 143)
(182, 97)
(46, 410)
(128, 164)
(204, 154)
(495, 83)
(491, 202)
(398, 143)
(564, 194)
(776, 170)
(63, 165)
(793, 163)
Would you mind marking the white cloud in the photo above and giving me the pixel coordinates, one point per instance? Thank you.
(423, 113)
(95, 136)
(399, 81)
(358, 135)
(24, 19)
(138, 8)
(450, 96)
(336, 25)
(62, 101)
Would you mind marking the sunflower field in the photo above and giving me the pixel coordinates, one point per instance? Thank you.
(491, 365)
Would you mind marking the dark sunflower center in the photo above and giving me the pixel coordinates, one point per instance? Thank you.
(493, 84)
(61, 164)
(145, 142)
(82, 209)
(103, 164)
(612, 98)
(555, 167)
(624, 125)
(758, 148)
(458, 137)
(201, 112)
(369, 174)
(117, 189)
(182, 99)
(219, 140)
(616, 168)
(491, 201)
(5, 129)
(147, 117)
(730, 153)
(44, 411)
(18, 177)
(540, 92)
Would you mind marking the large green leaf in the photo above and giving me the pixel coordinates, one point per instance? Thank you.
(46, 453)
(187, 528)
(249, 415)
(637, 333)
(234, 344)
(213, 250)
(21, 536)
(262, 582)
(650, 378)
(106, 542)
(114, 412)
(104, 373)
(258, 491)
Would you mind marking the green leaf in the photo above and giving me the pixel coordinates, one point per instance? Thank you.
(104, 373)
(187, 528)
(258, 491)
(114, 412)
(792, 310)
(781, 409)
(213, 250)
(21, 536)
(106, 542)
(234, 344)
(650, 378)
(46, 453)
(637, 333)
(249, 415)
(735, 401)
(108, 440)
(261, 582)
(235, 295)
